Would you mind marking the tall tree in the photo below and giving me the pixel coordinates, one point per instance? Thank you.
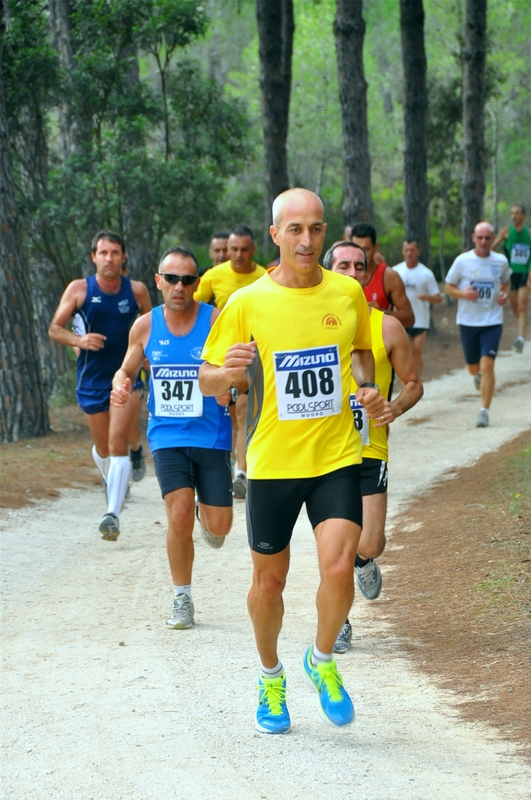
(473, 58)
(349, 32)
(23, 409)
(415, 123)
(276, 27)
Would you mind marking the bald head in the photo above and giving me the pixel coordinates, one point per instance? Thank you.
(298, 230)
(483, 237)
(294, 198)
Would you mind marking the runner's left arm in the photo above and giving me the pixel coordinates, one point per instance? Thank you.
(396, 291)
(363, 372)
(141, 296)
(399, 354)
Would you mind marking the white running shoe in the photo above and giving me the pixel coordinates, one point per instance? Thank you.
(182, 615)
(483, 419)
(344, 638)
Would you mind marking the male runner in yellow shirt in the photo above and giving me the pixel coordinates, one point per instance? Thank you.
(297, 334)
(216, 286)
(391, 351)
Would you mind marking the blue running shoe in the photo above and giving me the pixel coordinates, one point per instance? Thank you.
(336, 705)
(272, 715)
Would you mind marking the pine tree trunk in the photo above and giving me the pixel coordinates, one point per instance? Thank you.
(23, 410)
(415, 123)
(349, 31)
(275, 31)
(474, 57)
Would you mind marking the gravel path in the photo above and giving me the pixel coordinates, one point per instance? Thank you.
(101, 701)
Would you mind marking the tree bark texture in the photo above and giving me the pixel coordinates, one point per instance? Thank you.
(415, 123)
(349, 32)
(23, 410)
(75, 128)
(276, 27)
(474, 57)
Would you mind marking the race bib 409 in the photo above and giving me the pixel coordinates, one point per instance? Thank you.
(308, 383)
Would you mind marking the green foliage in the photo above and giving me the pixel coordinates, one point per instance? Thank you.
(163, 105)
(147, 155)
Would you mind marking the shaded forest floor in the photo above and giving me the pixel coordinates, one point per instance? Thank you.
(467, 567)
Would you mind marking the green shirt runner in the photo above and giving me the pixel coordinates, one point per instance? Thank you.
(517, 248)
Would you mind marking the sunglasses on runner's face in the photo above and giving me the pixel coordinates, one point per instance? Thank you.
(186, 280)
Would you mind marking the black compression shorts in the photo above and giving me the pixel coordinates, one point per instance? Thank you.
(205, 470)
(374, 476)
(274, 505)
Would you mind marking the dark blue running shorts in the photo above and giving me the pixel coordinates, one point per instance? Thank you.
(200, 468)
(97, 400)
(273, 506)
(480, 341)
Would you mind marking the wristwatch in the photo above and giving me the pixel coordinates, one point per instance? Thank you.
(234, 394)
(369, 386)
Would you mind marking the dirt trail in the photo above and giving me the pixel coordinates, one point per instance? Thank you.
(101, 701)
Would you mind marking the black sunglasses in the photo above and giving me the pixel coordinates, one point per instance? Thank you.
(186, 280)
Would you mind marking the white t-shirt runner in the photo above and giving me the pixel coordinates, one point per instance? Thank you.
(418, 280)
(485, 275)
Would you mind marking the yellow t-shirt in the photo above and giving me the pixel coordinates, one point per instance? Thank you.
(299, 423)
(374, 439)
(218, 283)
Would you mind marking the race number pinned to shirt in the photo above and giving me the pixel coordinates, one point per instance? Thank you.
(485, 289)
(520, 254)
(308, 383)
(361, 421)
(176, 390)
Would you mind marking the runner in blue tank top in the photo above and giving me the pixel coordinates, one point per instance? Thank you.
(189, 435)
(103, 307)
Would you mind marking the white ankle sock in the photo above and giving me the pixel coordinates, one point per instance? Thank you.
(103, 464)
(117, 483)
(318, 657)
(184, 590)
(275, 672)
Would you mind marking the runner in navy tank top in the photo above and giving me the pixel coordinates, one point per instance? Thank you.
(102, 308)
(189, 435)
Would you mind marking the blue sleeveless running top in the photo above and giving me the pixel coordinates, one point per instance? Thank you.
(109, 314)
(179, 415)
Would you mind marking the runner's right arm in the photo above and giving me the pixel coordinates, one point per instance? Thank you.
(73, 298)
(214, 381)
(461, 294)
(124, 378)
(501, 237)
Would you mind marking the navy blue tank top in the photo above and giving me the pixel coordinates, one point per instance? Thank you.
(179, 415)
(109, 314)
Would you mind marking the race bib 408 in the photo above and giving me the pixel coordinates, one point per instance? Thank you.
(308, 383)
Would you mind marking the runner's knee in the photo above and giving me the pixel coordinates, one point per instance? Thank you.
(268, 585)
